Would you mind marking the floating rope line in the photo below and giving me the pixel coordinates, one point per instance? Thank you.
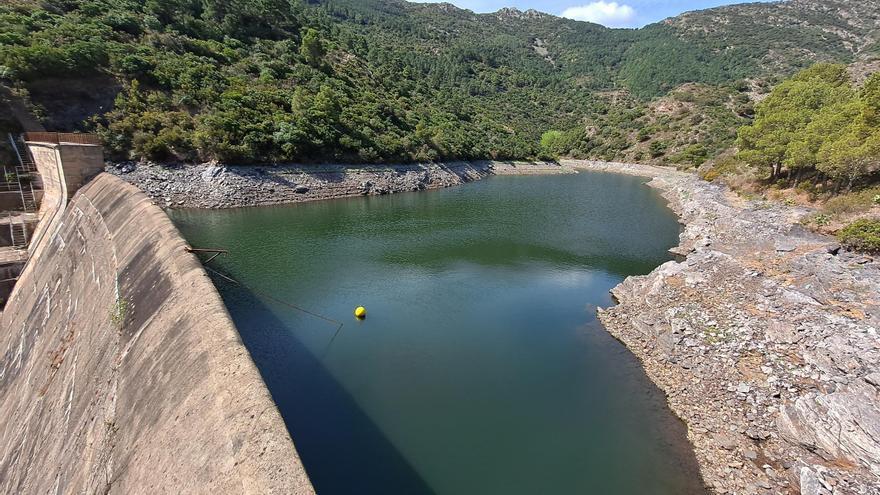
(265, 294)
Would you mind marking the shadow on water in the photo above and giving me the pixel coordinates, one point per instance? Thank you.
(439, 256)
(320, 415)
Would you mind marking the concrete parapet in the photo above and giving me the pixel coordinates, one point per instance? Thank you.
(64, 168)
(121, 370)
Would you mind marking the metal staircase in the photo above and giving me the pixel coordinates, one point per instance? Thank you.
(18, 233)
(26, 189)
(26, 173)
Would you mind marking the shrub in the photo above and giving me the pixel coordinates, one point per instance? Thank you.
(723, 167)
(694, 154)
(6, 73)
(711, 174)
(120, 311)
(806, 186)
(861, 235)
(657, 148)
(821, 220)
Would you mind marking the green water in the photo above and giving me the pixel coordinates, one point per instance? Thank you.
(481, 367)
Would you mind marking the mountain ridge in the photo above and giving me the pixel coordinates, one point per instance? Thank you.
(244, 81)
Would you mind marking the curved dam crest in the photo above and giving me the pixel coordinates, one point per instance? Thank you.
(122, 371)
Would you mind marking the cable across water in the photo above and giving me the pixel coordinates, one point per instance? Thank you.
(265, 294)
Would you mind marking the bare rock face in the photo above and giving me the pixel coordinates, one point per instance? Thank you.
(841, 427)
(212, 173)
(212, 185)
(782, 332)
(810, 484)
(765, 339)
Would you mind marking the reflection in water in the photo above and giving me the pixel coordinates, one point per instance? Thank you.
(481, 367)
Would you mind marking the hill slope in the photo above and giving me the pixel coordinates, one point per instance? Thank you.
(371, 80)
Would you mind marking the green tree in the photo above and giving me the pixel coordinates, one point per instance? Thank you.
(852, 154)
(802, 153)
(870, 96)
(312, 48)
(783, 117)
(553, 143)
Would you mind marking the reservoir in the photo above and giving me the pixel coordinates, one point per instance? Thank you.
(481, 367)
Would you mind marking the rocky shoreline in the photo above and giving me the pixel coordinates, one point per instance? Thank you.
(765, 340)
(231, 186)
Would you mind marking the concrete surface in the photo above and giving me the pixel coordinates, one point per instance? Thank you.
(64, 169)
(121, 371)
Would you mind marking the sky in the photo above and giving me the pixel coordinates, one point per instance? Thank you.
(611, 13)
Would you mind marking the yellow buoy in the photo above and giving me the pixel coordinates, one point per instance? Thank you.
(360, 312)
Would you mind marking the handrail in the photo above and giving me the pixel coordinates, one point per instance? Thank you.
(62, 137)
(24, 204)
(15, 149)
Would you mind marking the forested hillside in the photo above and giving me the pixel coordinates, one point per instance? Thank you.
(378, 80)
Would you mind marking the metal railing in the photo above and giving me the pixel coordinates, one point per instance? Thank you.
(8, 180)
(25, 173)
(17, 232)
(61, 137)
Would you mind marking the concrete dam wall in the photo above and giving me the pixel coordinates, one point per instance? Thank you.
(121, 370)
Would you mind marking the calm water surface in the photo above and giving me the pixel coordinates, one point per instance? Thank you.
(481, 367)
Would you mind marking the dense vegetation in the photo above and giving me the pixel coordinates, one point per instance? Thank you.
(685, 128)
(817, 125)
(378, 80)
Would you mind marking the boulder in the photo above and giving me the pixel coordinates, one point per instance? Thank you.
(212, 173)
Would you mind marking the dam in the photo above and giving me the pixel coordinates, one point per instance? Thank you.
(121, 370)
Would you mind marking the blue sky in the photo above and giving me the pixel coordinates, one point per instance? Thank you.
(612, 13)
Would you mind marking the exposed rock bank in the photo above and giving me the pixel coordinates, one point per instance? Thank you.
(223, 186)
(765, 338)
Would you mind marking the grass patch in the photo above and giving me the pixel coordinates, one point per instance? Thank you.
(723, 167)
(855, 202)
(119, 311)
(819, 220)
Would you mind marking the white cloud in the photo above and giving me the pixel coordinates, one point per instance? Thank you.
(611, 14)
